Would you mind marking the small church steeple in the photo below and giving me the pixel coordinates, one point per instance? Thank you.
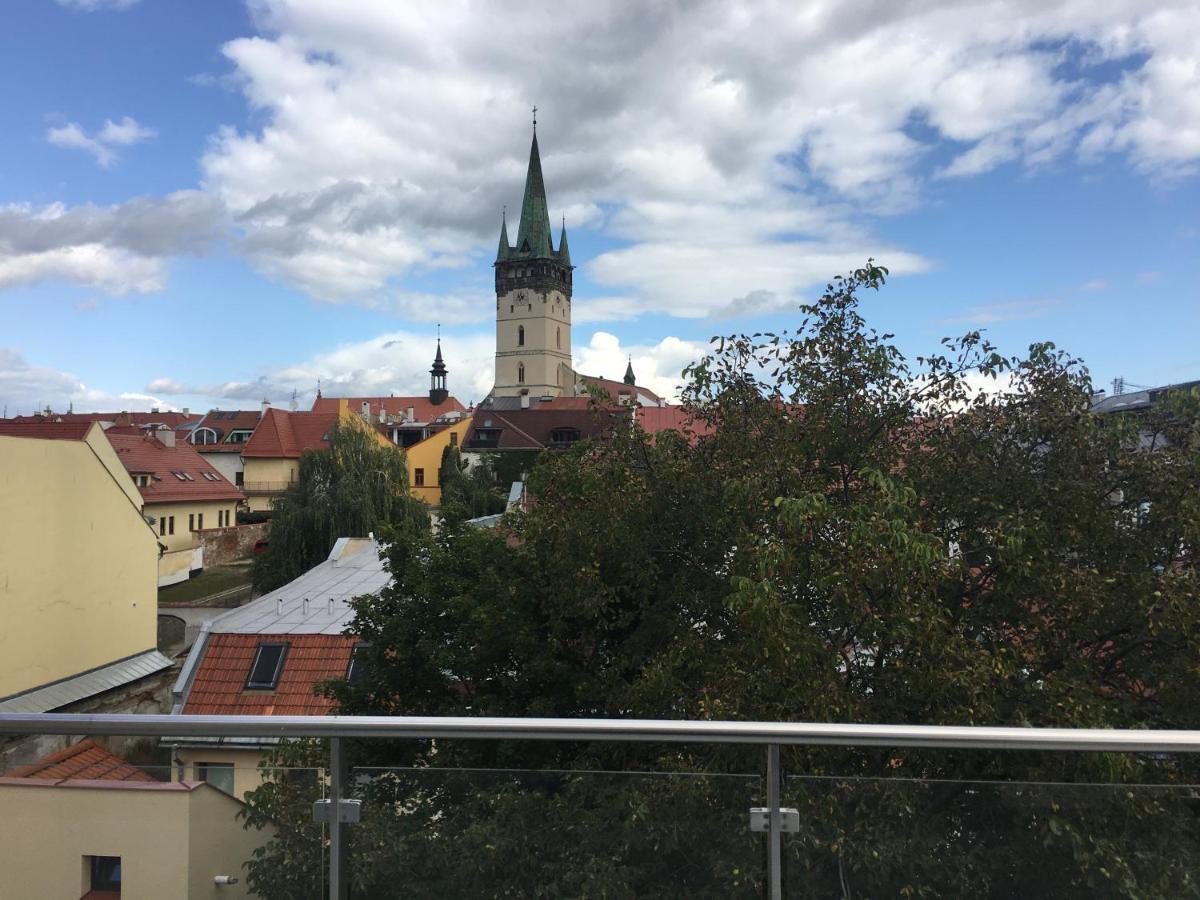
(502, 251)
(437, 376)
(533, 234)
(629, 378)
(563, 254)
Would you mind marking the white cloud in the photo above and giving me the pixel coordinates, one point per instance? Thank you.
(731, 150)
(655, 366)
(25, 388)
(114, 134)
(1006, 311)
(119, 249)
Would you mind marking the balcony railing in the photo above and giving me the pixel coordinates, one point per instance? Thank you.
(738, 822)
(265, 487)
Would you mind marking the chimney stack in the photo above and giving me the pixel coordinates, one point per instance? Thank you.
(265, 406)
(167, 436)
(412, 414)
(524, 401)
(366, 410)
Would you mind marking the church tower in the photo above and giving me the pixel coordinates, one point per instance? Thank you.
(437, 378)
(533, 300)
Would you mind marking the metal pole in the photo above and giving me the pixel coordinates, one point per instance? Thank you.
(775, 831)
(338, 874)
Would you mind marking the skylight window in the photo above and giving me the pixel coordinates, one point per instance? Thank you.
(268, 665)
(180, 475)
(358, 664)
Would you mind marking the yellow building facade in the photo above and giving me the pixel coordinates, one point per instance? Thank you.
(425, 461)
(78, 562)
(176, 525)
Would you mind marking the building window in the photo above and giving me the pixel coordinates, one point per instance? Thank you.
(219, 775)
(267, 667)
(454, 439)
(564, 437)
(105, 873)
(520, 373)
(170, 524)
(200, 521)
(520, 335)
(239, 478)
(162, 526)
(191, 521)
(358, 664)
(558, 337)
(419, 477)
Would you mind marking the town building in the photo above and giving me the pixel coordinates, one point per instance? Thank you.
(267, 657)
(221, 434)
(181, 492)
(78, 570)
(84, 823)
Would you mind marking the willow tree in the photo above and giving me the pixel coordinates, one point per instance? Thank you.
(355, 487)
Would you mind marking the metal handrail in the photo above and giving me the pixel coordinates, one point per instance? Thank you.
(623, 730)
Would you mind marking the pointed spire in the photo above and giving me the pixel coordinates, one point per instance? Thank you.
(629, 379)
(437, 375)
(564, 255)
(533, 234)
(318, 388)
(503, 250)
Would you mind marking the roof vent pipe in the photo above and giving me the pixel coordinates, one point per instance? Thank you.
(305, 607)
(331, 606)
(279, 607)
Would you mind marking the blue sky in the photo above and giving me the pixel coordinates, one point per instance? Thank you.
(205, 204)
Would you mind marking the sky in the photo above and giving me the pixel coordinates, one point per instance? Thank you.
(211, 204)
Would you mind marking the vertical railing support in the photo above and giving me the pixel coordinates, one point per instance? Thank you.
(775, 828)
(339, 879)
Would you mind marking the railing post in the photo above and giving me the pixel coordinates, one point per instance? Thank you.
(775, 827)
(339, 875)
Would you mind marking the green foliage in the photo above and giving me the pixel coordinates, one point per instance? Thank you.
(855, 540)
(473, 492)
(354, 488)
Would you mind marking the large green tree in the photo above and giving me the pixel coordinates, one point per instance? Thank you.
(845, 537)
(355, 487)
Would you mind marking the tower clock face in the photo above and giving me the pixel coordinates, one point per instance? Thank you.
(521, 296)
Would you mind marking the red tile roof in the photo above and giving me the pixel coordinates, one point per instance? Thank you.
(170, 419)
(143, 454)
(286, 435)
(85, 760)
(220, 683)
(61, 431)
(225, 421)
(616, 388)
(671, 418)
(423, 410)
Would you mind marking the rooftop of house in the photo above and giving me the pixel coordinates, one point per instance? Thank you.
(87, 760)
(224, 430)
(1140, 399)
(309, 615)
(284, 434)
(154, 417)
(423, 410)
(177, 473)
(45, 430)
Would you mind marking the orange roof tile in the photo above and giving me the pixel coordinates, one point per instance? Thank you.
(219, 687)
(286, 435)
(85, 760)
(146, 455)
(60, 431)
(423, 409)
(170, 419)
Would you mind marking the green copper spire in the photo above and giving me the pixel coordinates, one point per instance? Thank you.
(502, 252)
(533, 234)
(564, 255)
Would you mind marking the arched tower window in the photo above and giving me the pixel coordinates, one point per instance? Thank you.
(520, 373)
(520, 335)
(558, 337)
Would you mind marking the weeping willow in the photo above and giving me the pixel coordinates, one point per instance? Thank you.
(354, 488)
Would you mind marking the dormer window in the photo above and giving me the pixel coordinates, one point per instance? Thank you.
(267, 667)
(564, 437)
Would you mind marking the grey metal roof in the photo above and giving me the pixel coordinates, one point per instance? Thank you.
(88, 684)
(1143, 399)
(353, 568)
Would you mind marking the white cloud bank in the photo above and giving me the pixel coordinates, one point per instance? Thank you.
(733, 154)
(25, 388)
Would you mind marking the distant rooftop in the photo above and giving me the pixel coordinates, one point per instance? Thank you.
(1140, 399)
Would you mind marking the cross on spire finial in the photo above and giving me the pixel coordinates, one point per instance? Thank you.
(535, 120)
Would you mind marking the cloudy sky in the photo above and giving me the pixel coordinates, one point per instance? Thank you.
(206, 204)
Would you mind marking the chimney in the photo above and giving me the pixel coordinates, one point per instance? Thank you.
(154, 409)
(412, 414)
(186, 411)
(366, 410)
(524, 401)
(167, 436)
(265, 406)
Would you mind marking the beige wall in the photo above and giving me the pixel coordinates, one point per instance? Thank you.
(546, 352)
(78, 563)
(171, 843)
(183, 539)
(246, 776)
(273, 472)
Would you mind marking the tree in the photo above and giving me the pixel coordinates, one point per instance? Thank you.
(354, 488)
(844, 538)
(474, 489)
